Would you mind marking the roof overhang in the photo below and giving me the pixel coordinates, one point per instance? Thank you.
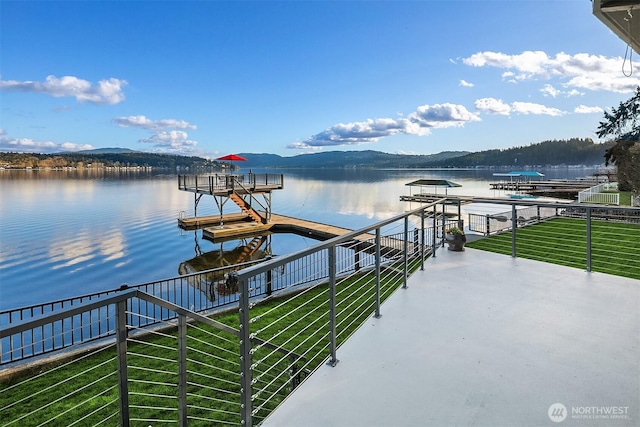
(622, 17)
(433, 182)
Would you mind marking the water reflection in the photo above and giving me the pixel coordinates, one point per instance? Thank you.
(87, 231)
(220, 283)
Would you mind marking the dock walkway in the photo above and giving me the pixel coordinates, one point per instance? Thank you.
(541, 187)
(235, 226)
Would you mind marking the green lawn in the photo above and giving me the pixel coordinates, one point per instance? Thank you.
(615, 247)
(85, 391)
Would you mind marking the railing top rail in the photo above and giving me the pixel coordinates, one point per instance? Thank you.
(121, 296)
(102, 294)
(65, 313)
(282, 260)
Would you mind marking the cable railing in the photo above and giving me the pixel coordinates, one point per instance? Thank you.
(355, 273)
(199, 292)
(590, 237)
(167, 364)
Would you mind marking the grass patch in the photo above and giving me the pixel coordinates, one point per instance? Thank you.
(614, 246)
(84, 391)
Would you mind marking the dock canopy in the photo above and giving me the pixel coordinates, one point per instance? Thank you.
(434, 182)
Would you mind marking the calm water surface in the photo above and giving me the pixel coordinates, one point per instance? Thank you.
(67, 233)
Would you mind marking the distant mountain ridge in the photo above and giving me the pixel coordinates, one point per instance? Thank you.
(346, 159)
(574, 151)
(114, 150)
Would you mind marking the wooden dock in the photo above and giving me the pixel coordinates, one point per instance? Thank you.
(235, 226)
(543, 187)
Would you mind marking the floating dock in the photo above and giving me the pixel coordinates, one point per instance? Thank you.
(544, 187)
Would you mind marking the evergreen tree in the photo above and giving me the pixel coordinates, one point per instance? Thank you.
(623, 124)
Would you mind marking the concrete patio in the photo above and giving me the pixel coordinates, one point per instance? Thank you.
(480, 339)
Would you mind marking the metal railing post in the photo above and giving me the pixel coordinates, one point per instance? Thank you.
(333, 360)
(246, 406)
(377, 315)
(588, 239)
(182, 371)
(514, 225)
(488, 224)
(460, 223)
(121, 346)
(444, 222)
(422, 242)
(435, 230)
(406, 255)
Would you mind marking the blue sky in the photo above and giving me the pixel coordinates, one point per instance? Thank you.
(210, 78)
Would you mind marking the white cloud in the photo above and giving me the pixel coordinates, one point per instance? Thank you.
(27, 145)
(2, 132)
(492, 106)
(166, 134)
(105, 92)
(152, 125)
(537, 109)
(442, 116)
(549, 90)
(497, 106)
(465, 83)
(174, 141)
(419, 122)
(70, 146)
(579, 71)
(583, 109)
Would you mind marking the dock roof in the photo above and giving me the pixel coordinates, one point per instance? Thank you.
(520, 173)
(434, 182)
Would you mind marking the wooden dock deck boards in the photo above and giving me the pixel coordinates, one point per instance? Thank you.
(313, 229)
(236, 225)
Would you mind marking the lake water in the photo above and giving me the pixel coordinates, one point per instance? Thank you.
(68, 233)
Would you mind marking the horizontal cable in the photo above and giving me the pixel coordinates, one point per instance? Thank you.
(208, 420)
(214, 399)
(217, 368)
(148, 356)
(97, 409)
(218, 390)
(55, 385)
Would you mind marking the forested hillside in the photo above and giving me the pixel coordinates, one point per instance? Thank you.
(547, 153)
(97, 160)
(555, 152)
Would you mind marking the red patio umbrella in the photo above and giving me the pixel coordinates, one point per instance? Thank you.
(231, 157)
